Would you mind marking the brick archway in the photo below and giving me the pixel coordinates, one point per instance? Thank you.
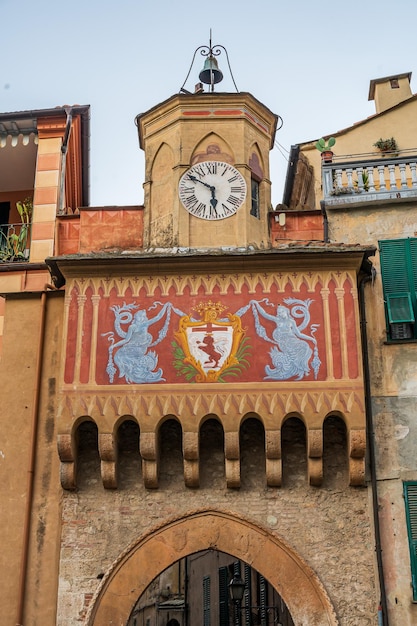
(294, 580)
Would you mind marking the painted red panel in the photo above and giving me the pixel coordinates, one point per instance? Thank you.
(71, 337)
(351, 331)
(271, 329)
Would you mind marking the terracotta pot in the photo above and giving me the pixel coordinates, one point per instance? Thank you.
(327, 156)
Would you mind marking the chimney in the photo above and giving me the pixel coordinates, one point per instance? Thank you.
(389, 91)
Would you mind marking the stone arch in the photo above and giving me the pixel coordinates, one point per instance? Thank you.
(211, 453)
(162, 193)
(88, 454)
(335, 452)
(256, 162)
(213, 147)
(287, 572)
(294, 450)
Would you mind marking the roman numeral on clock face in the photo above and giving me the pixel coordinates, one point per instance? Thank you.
(199, 210)
(233, 200)
(186, 190)
(211, 167)
(190, 201)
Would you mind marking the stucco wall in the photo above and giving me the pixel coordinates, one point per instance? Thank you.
(393, 376)
(18, 411)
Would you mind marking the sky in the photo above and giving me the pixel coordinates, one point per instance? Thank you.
(309, 61)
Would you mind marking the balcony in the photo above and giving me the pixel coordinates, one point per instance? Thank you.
(15, 242)
(356, 179)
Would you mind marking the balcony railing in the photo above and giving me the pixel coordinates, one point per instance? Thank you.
(363, 178)
(14, 242)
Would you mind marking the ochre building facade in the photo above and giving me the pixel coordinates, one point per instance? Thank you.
(185, 382)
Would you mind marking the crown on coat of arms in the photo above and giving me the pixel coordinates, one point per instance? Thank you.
(209, 310)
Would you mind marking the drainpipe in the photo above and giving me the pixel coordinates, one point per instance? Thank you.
(383, 607)
(32, 463)
(64, 149)
(290, 177)
(325, 221)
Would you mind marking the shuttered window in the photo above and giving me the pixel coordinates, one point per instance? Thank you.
(255, 208)
(206, 601)
(247, 595)
(263, 600)
(410, 496)
(223, 596)
(399, 278)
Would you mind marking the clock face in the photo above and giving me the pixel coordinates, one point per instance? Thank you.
(212, 190)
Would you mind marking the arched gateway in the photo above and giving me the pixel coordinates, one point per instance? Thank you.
(294, 580)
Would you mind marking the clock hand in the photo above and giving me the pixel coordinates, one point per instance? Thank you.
(213, 199)
(197, 180)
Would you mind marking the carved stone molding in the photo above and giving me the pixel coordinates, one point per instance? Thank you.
(110, 407)
(229, 403)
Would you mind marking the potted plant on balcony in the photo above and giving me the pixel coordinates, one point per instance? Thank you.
(386, 145)
(13, 243)
(326, 149)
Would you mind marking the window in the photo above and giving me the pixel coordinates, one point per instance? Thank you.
(255, 211)
(206, 601)
(399, 279)
(4, 221)
(410, 497)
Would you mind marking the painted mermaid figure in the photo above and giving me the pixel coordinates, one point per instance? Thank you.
(293, 349)
(131, 354)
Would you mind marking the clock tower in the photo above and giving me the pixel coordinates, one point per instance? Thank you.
(207, 179)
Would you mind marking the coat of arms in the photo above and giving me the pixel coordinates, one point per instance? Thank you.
(212, 347)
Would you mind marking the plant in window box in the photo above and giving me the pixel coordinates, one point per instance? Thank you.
(342, 191)
(325, 147)
(386, 145)
(345, 191)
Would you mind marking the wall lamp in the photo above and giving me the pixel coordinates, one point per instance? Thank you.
(236, 590)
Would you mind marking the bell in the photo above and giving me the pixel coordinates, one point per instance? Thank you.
(210, 74)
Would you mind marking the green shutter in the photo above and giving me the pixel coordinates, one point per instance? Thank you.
(400, 308)
(393, 254)
(247, 596)
(206, 601)
(413, 263)
(263, 600)
(399, 279)
(223, 596)
(410, 495)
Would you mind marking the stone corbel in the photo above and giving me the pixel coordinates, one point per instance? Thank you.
(232, 459)
(273, 458)
(191, 459)
(315, 457)
(67, 457)
(149, 454)
(108, 457)
(357, 448)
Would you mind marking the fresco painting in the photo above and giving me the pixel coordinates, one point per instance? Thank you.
(208, 346)
(212, 348)
(131, 355)
(211, 329)
(291, 354)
